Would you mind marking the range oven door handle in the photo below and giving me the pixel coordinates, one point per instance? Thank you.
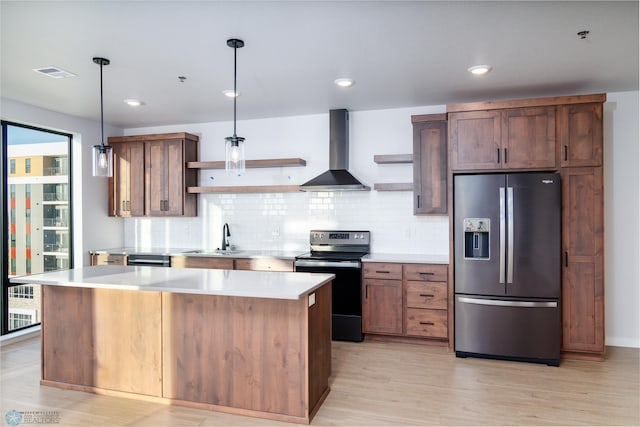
(336, 264)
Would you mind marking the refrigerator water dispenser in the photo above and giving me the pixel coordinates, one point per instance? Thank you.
(476, 238)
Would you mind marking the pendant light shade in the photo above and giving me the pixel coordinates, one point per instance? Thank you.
(234, 145)
(102, 154)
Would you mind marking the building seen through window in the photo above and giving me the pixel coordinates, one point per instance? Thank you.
(39, 217)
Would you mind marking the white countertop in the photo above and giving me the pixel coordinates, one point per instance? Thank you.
(253, 284)
(239, 253)
(407, 258)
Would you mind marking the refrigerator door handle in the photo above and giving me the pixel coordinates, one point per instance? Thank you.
(502, 234)
(504, 303)
(510, 234)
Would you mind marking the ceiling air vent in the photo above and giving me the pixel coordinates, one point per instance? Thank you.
(54, 72)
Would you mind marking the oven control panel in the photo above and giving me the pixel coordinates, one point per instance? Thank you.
(333, 237)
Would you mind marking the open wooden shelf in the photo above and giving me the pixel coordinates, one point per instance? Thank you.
(245, 189)
(394, 186)
(393, 158)
(261, 163)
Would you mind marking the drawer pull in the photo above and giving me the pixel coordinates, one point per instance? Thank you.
(427, 295)
(383, 271)
(427, 323)
(427, 273)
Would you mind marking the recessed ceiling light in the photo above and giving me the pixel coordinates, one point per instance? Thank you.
(479, 70)
(344, 82)
(133, 102)
(54, 72)
(229, 93)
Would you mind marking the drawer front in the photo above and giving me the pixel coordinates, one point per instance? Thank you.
(427, 323)
(426, 272)
(382, 270)
(201, 262)
(107, 259)
(272, 264)
(427, 295)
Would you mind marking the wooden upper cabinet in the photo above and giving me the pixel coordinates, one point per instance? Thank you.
(580, 135)
(430, 164)
(165, 167)
(529, 138)
(475, 140)
(126, 187)
(514, 138)
(151, 175)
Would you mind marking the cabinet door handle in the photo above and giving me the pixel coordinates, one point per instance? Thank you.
(498, 152)
(505, 155)
(427, 323)
(129, 205)
(418, 196)
(566, 259)
(366, 292)
(566, 153)
(124, 205)
(427, 295)
(383, 271)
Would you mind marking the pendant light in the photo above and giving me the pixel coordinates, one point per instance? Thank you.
(234, 145)
(102, 154)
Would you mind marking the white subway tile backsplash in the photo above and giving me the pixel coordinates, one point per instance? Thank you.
(282, 221)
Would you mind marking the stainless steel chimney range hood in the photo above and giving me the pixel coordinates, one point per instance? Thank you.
(337, 178)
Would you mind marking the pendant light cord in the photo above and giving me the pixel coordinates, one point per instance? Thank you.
(235, 91)
(101, 109)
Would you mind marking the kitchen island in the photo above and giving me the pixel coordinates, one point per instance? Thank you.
(243, 342)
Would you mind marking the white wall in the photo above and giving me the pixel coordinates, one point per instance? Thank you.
(283, 221)
(622, 233)
(92, 228)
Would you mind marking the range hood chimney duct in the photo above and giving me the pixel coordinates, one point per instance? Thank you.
(337, 178)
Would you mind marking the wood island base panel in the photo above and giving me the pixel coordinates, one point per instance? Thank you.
(259, 357)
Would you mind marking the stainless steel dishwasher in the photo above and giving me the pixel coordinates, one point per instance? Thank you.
(151, 260)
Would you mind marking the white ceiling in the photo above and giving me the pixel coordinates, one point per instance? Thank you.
(400, 54)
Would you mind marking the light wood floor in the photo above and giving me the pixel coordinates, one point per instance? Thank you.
(377, 384)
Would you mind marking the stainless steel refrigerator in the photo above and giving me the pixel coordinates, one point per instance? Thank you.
(507, 271)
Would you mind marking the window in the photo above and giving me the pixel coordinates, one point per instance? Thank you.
(39, 205)
(19, 320)
(22, 291)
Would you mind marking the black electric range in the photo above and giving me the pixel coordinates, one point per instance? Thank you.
(340, 253)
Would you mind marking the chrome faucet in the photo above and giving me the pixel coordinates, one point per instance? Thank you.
(225, 237)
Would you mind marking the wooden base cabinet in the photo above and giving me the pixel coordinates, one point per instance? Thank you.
(108, 259)
(405, 302)
(382, 304)
(426, 300)
(224, 263)
(260, 357)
